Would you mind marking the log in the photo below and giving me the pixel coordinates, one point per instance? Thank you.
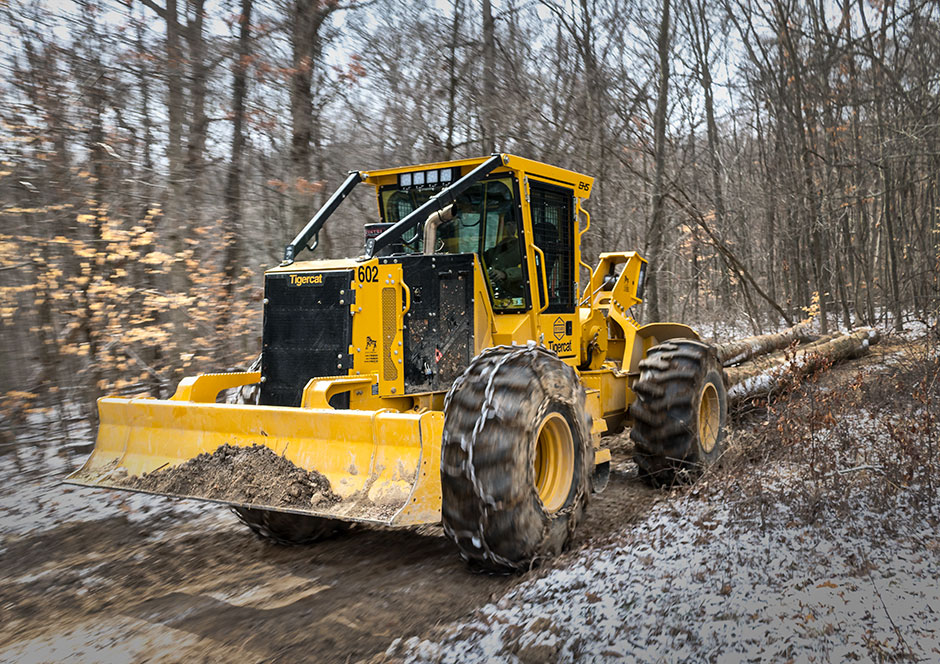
(780, 356)
(735, 352)
(755, 379)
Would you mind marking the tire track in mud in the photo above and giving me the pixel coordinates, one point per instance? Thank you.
(216, 592)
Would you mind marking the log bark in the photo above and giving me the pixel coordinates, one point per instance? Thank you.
(741, 350)
(754, 379)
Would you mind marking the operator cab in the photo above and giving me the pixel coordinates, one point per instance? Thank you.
(485, 222)
(517, 216)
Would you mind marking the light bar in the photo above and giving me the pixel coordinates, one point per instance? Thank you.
(431, 178)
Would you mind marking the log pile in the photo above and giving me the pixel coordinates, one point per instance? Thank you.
(756, 365)
(735, 352)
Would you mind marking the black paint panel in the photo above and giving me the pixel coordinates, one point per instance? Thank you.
(306, 334)
(438, 334)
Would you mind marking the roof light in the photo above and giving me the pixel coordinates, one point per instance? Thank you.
(404, 180)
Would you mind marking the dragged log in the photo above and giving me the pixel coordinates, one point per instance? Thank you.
(741, 350)
(760, 377)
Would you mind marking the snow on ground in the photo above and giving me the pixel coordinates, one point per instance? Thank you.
(736, 326)
(694, 583)
(33, 497)
(115, 642)
(801, 561)
(29, 507)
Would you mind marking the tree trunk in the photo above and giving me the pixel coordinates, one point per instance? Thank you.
(174, 206)
(305, 38)
(452, 83)
(198, 124)
(233, 187)
(754, 379)
(657, 227)
(489, 80)
(741, 350)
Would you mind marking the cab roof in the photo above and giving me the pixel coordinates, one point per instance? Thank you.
(580, 183)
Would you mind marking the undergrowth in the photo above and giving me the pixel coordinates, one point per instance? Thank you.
(833, 445)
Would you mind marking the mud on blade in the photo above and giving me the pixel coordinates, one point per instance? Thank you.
(342, 464)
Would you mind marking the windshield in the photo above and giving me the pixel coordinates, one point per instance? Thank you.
(484, 223)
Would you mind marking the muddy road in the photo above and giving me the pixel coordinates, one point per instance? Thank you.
(161, 580)
(98, 575)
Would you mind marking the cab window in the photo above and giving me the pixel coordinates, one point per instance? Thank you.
(485, 223)
(552, 227)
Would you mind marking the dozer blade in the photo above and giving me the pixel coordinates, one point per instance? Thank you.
(384, 466)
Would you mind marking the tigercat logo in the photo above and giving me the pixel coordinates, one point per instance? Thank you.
(560, 329)
(305, 279)
(560, 348)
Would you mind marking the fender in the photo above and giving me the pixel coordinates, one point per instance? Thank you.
(656, 333)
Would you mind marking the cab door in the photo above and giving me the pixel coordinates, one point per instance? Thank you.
(551, 211)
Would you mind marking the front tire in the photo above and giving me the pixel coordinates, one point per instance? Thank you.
(516, 458)
(680, 412)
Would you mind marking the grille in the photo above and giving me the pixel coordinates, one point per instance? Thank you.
(389, 370)
(438, 335)
(307, 332)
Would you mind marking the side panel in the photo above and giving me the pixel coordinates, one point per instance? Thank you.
(377, 312)
(614, 397)
(438, 328)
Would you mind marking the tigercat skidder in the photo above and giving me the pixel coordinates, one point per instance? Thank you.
(460, 371)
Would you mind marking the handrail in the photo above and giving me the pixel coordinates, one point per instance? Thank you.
(544, 279)
(578, 210)
(313, 226)
(407, 307)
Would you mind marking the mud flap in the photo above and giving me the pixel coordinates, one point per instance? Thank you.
(384, 465)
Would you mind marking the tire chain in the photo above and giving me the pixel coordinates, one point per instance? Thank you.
(530, 352)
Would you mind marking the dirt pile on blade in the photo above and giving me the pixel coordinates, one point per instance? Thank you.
(255, 475)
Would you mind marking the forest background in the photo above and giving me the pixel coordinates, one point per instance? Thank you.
(770, 158)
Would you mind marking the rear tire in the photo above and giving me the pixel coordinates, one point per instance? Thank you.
(516, 458)
(679, 413)
(286, 528)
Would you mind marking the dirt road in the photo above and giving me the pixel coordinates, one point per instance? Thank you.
(95, 575)
(156, 582)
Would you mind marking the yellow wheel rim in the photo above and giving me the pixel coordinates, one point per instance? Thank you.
(554, 462)
(709, 417)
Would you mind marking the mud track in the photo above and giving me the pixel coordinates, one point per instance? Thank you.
(203, 588)
(196, 585)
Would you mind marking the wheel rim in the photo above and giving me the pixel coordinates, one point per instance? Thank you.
(554, 462)
(709, 417)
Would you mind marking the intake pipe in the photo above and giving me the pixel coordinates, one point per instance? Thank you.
(430, 226)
